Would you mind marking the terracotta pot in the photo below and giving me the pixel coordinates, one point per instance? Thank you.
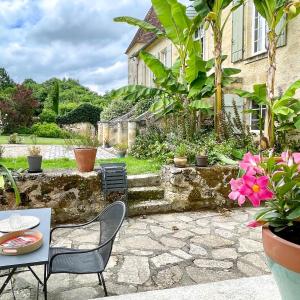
(180, 162)
(85, 159)
(201, 160)
(283, 260)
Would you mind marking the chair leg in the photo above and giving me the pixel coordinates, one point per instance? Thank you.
(100, 283)
(104, 286)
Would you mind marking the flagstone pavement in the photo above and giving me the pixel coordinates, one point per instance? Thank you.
(158, 252)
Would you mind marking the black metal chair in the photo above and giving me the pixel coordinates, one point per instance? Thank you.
(114, 179)
(74, 261)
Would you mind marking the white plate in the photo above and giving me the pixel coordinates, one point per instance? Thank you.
(26, 222)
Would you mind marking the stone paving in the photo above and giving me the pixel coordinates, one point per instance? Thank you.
(158, 252)
(51, 152)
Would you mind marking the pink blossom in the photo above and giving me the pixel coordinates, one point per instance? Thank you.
(250, 164)
(235, 194)
(296, 157)
(256, 189)
(254, 224)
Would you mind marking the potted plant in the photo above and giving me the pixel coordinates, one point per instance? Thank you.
(202, 158)
(180, 159)
(106, 143)
(34, 158)
(85, 149)
(121, 150)
(278, 184)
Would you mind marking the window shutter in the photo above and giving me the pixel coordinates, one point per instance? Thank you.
(237, 47)
(282, 38)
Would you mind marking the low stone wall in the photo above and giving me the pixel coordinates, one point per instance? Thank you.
(74, 197)
(196, 188)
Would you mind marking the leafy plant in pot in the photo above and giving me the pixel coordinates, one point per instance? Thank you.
(202, 158)
(180, 159)
(85, 150)
(34, 158)
(121, 150)
(277, 183)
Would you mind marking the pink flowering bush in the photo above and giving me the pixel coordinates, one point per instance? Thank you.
(276, 182)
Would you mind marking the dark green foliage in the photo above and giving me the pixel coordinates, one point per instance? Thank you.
(49, 130)
(54, 95)
(48, 116)
(116, 108)
(83, 113)
(5, 80)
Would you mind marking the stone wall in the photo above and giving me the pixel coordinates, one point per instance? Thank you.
(196, 188)
(74, 197)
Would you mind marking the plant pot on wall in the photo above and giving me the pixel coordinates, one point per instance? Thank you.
(283, 260)
(180, 162)
(35, 163)
(201, 160)
(85, 158)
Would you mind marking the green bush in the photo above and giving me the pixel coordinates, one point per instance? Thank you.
(65, 108)
(14, 139)
(84, 113)
(116, 108)
(24, 130)
(47, 116)
(50, 130)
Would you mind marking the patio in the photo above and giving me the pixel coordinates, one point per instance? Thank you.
(158, 252)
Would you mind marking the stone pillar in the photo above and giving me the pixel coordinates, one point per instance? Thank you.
(105, 134)
(132, 128)
(120, 133)
(100, 132)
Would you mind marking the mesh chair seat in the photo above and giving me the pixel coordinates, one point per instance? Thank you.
(80, 263)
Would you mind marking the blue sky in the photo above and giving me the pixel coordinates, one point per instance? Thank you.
(40, 39)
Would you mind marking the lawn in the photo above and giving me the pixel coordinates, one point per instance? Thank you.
(40, 141)
(134, 166)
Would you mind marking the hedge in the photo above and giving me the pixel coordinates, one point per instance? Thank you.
(84, 113)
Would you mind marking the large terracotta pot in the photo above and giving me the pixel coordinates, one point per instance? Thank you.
(284, 261)
(85, 158)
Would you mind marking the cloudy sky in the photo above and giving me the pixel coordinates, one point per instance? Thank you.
(40, 39)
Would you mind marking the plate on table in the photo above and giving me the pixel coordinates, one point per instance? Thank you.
(24, 223)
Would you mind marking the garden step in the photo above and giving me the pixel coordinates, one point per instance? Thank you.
(145, 193)
(149, 207)
(143, 180)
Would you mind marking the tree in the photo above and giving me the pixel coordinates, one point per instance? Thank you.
(273, 11)
(55, 97)
(212, 12)
(5, 80)
(182, 88)
(19, 109)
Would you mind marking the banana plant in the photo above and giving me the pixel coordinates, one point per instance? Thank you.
(5, 173)
(273, 11)
(212, 12)
(284, 110)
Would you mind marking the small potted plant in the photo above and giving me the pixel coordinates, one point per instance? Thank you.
(34, 158)
(85, 149)
(106, 143)
(121, 150)
(277, 185)
(201, 158)
(180, 159)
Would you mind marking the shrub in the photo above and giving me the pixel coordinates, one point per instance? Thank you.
(65, 108)
(47, 116)
(50, 130)
(84, 113)
(181, 150)
(14, 139)
(24, 130)
(116, 109)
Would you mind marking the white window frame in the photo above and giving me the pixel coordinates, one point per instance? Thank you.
(263, 39)
(164, 56)
(260, 109)
(199, 35)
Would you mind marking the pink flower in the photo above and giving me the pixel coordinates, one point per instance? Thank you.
(235, 194)
(256, 189)
(250, 164)
(296, 157)
(254, 224)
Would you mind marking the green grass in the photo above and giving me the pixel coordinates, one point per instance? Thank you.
(40, 141)
(134, 166)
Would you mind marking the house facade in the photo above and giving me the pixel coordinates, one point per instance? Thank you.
(245, 43)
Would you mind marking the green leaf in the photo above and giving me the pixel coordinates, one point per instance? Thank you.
(297, 123)
(260, 90)
(200, 105)
(2, 182)
(197, 85)
(230, 71)
(295, 214)
(282, 111)
(141, 24)
(291, 91)
(203, 7)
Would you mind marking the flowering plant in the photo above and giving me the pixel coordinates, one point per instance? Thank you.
(275, 181)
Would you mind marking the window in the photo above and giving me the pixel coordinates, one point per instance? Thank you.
(258, 112)
(200, 36)
(260, 29)
(164, 56)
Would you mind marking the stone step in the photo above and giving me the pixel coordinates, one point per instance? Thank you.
(143, 180)
(149, 207)
(145, 193)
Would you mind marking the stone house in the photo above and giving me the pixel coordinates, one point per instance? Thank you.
(245, 44)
